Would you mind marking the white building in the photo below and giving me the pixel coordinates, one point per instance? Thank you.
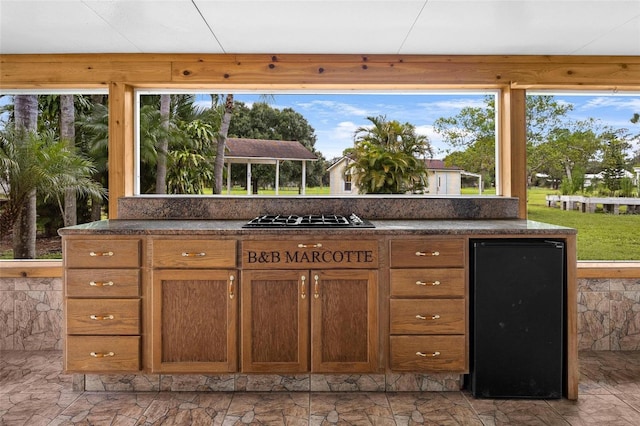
(442, 180)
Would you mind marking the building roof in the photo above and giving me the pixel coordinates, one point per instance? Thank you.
(439, 165)
(239, 148)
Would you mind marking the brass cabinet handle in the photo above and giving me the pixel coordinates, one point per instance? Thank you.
(422, 253)
(432, 317)
(433, 354)
(102, 354)
(303, 286)
(317, 245)
(425, 283)
(101, 283)
(316, 287)
(100, 253)
(231, 287)
(101, 317)
(189, 254)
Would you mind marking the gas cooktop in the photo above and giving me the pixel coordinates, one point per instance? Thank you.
(308, 221)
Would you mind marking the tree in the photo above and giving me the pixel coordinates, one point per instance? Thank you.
(569, 148)
(163, 145)
(614, 157)
(174, 139)
(34, 163)
(388, 157)
(68, 135)
(23, 213)
(471, 134)
(93, 139)
(261, 121)
(221, 141)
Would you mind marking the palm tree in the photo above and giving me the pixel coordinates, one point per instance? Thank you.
(42, 163)
(163, 146)
(388, 157)
(221, 140)
(68, 134)
(24, 213)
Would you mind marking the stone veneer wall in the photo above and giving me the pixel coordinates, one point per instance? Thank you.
(31, 314)
(609, 314)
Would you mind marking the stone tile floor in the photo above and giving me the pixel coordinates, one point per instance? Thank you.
(33, 391)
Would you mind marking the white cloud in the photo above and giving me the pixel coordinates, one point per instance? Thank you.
(332, 141)
(614, 102)
(332, 107)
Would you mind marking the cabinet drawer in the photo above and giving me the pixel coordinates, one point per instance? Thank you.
(428, 353)
(194, 253)
(427, 316)
(102, 253)
(103, 316)
(102, 353)
(102, 282)
(427, 253)
(434, 282)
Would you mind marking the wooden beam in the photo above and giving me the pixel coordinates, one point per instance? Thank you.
(121, 144)
(511, 164)
(30, 268)
(309, 71)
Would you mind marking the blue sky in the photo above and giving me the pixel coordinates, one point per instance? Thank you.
(335, 117)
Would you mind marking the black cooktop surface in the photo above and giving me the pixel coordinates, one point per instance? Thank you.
(308, 221)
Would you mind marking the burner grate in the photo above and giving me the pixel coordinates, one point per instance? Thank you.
(308, 221)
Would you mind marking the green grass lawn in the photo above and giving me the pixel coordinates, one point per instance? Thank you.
(601, 236)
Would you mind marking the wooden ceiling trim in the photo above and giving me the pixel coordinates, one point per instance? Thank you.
(320, 70)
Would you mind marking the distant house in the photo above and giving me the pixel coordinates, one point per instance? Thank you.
(590, 178)
(443, 180)
(340, 179)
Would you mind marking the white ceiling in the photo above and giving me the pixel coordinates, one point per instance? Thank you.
(491, 27)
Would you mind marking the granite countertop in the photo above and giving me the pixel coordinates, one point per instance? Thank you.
(382, 227)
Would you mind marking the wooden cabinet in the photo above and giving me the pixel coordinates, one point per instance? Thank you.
(102, 305)
(322, 320)
(275, 321)
(344, 321)
(194, 307)
(428, 305)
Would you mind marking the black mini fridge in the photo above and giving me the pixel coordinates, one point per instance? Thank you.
(517, 318)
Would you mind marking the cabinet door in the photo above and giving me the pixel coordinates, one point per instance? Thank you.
(344, 324)
(194, 321)
(275, 321)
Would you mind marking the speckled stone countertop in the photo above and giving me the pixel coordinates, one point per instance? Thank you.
(391, 215)
(382, 227)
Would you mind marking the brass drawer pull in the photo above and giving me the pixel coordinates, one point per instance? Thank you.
(231, 287)
(433, 317)
(101, 317)
(100, 253)
(316, 287)
(102, 354)
(188, 254)
(101, 283)
(424, 283)
(422, 253)
(318, 245)
(303, 286)
(434, 354)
